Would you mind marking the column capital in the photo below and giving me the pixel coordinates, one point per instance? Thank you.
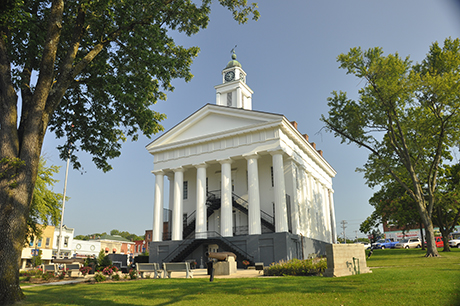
(157, 172)
(251, 156)
(180, 169)
(225, 161)
(275, 152)
(202, 165)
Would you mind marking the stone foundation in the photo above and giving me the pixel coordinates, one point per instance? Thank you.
(345, 259)
(225, 267)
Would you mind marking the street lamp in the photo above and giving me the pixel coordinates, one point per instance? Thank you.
(63, 199)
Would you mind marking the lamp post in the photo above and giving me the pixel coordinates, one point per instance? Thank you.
(63, 199)
(63, 207)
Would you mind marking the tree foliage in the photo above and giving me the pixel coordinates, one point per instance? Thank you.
(446, 213)
(99, 66)
(46, 204)
(406, 115)
(124, 234)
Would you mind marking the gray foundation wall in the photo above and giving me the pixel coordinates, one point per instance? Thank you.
(267, 248)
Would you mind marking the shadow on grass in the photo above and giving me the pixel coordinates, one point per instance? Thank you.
(172, 291)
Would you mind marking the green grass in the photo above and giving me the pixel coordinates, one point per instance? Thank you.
(400, 277)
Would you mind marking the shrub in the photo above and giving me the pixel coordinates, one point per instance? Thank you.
(85, 270)
(133, 273)
(297, 267)
(62, 273)
(109, 270)
(116, 277)
(48, 275)
(99, 277)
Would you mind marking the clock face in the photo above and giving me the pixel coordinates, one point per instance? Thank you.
(229, 76)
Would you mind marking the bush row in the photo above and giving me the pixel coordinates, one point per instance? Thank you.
(297, 267)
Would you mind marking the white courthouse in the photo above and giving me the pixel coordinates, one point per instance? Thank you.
(242, 181)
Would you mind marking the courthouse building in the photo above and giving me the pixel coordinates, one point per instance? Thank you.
(240, 180)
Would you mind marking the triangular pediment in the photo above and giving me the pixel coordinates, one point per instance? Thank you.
(212, 120)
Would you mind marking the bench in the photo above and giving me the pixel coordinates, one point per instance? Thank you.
(149, 268)
(49, 268)
(170, 267)
(259, 266)
(73, 269)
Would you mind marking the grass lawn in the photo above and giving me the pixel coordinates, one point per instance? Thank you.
(400, 277)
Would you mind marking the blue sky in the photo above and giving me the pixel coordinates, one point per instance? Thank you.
(290, 58)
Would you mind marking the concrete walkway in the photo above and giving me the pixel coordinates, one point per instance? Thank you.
(203, 273)
(197, 273)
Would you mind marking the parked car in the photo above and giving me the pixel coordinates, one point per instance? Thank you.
(409, 243)
(438, 241)
(455, 242)
(367, 245)
(388, 243)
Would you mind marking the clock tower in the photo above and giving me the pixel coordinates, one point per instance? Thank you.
(233, 92)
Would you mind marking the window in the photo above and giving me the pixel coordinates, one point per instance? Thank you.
(66, 241)
(297, 177)
(47, 244)
(185, 190)
(271, 173)
(31, 243)
(57, 241)
(184, 220)
(229, 99)
(207, 186)
(39, 243)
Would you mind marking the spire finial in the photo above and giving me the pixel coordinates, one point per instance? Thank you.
(233, 53)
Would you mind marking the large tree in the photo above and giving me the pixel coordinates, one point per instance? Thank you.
(99, 65)
(406, 115)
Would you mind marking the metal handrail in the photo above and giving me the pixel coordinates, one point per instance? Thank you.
(268, 218)
(211, 234)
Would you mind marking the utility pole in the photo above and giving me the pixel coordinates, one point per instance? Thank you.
(344, 226)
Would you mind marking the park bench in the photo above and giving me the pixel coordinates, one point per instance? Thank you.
(170, 267)
(49, 268)
(259, 266)
(73, 269)
(149, 268)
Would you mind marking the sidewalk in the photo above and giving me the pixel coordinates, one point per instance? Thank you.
(202, 273)
(197, 273)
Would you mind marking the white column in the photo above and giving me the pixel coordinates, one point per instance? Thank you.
(158, 206)
(295, 177)
(201, 216)
(327, 214)
(239, 102)
(226, 211)
(303, 202)
(177, 204)
(218, 98)
(280, 192)
(254, 223)
(332, 212)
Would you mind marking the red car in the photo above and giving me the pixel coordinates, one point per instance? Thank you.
(438, 241)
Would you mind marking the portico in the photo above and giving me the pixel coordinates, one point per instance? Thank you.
(238, 172)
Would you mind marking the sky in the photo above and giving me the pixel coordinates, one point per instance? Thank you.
(289, 56)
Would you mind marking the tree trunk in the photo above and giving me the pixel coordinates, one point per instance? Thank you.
(431, 250)
(15, 198)
(17, 183)
(422, 236)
